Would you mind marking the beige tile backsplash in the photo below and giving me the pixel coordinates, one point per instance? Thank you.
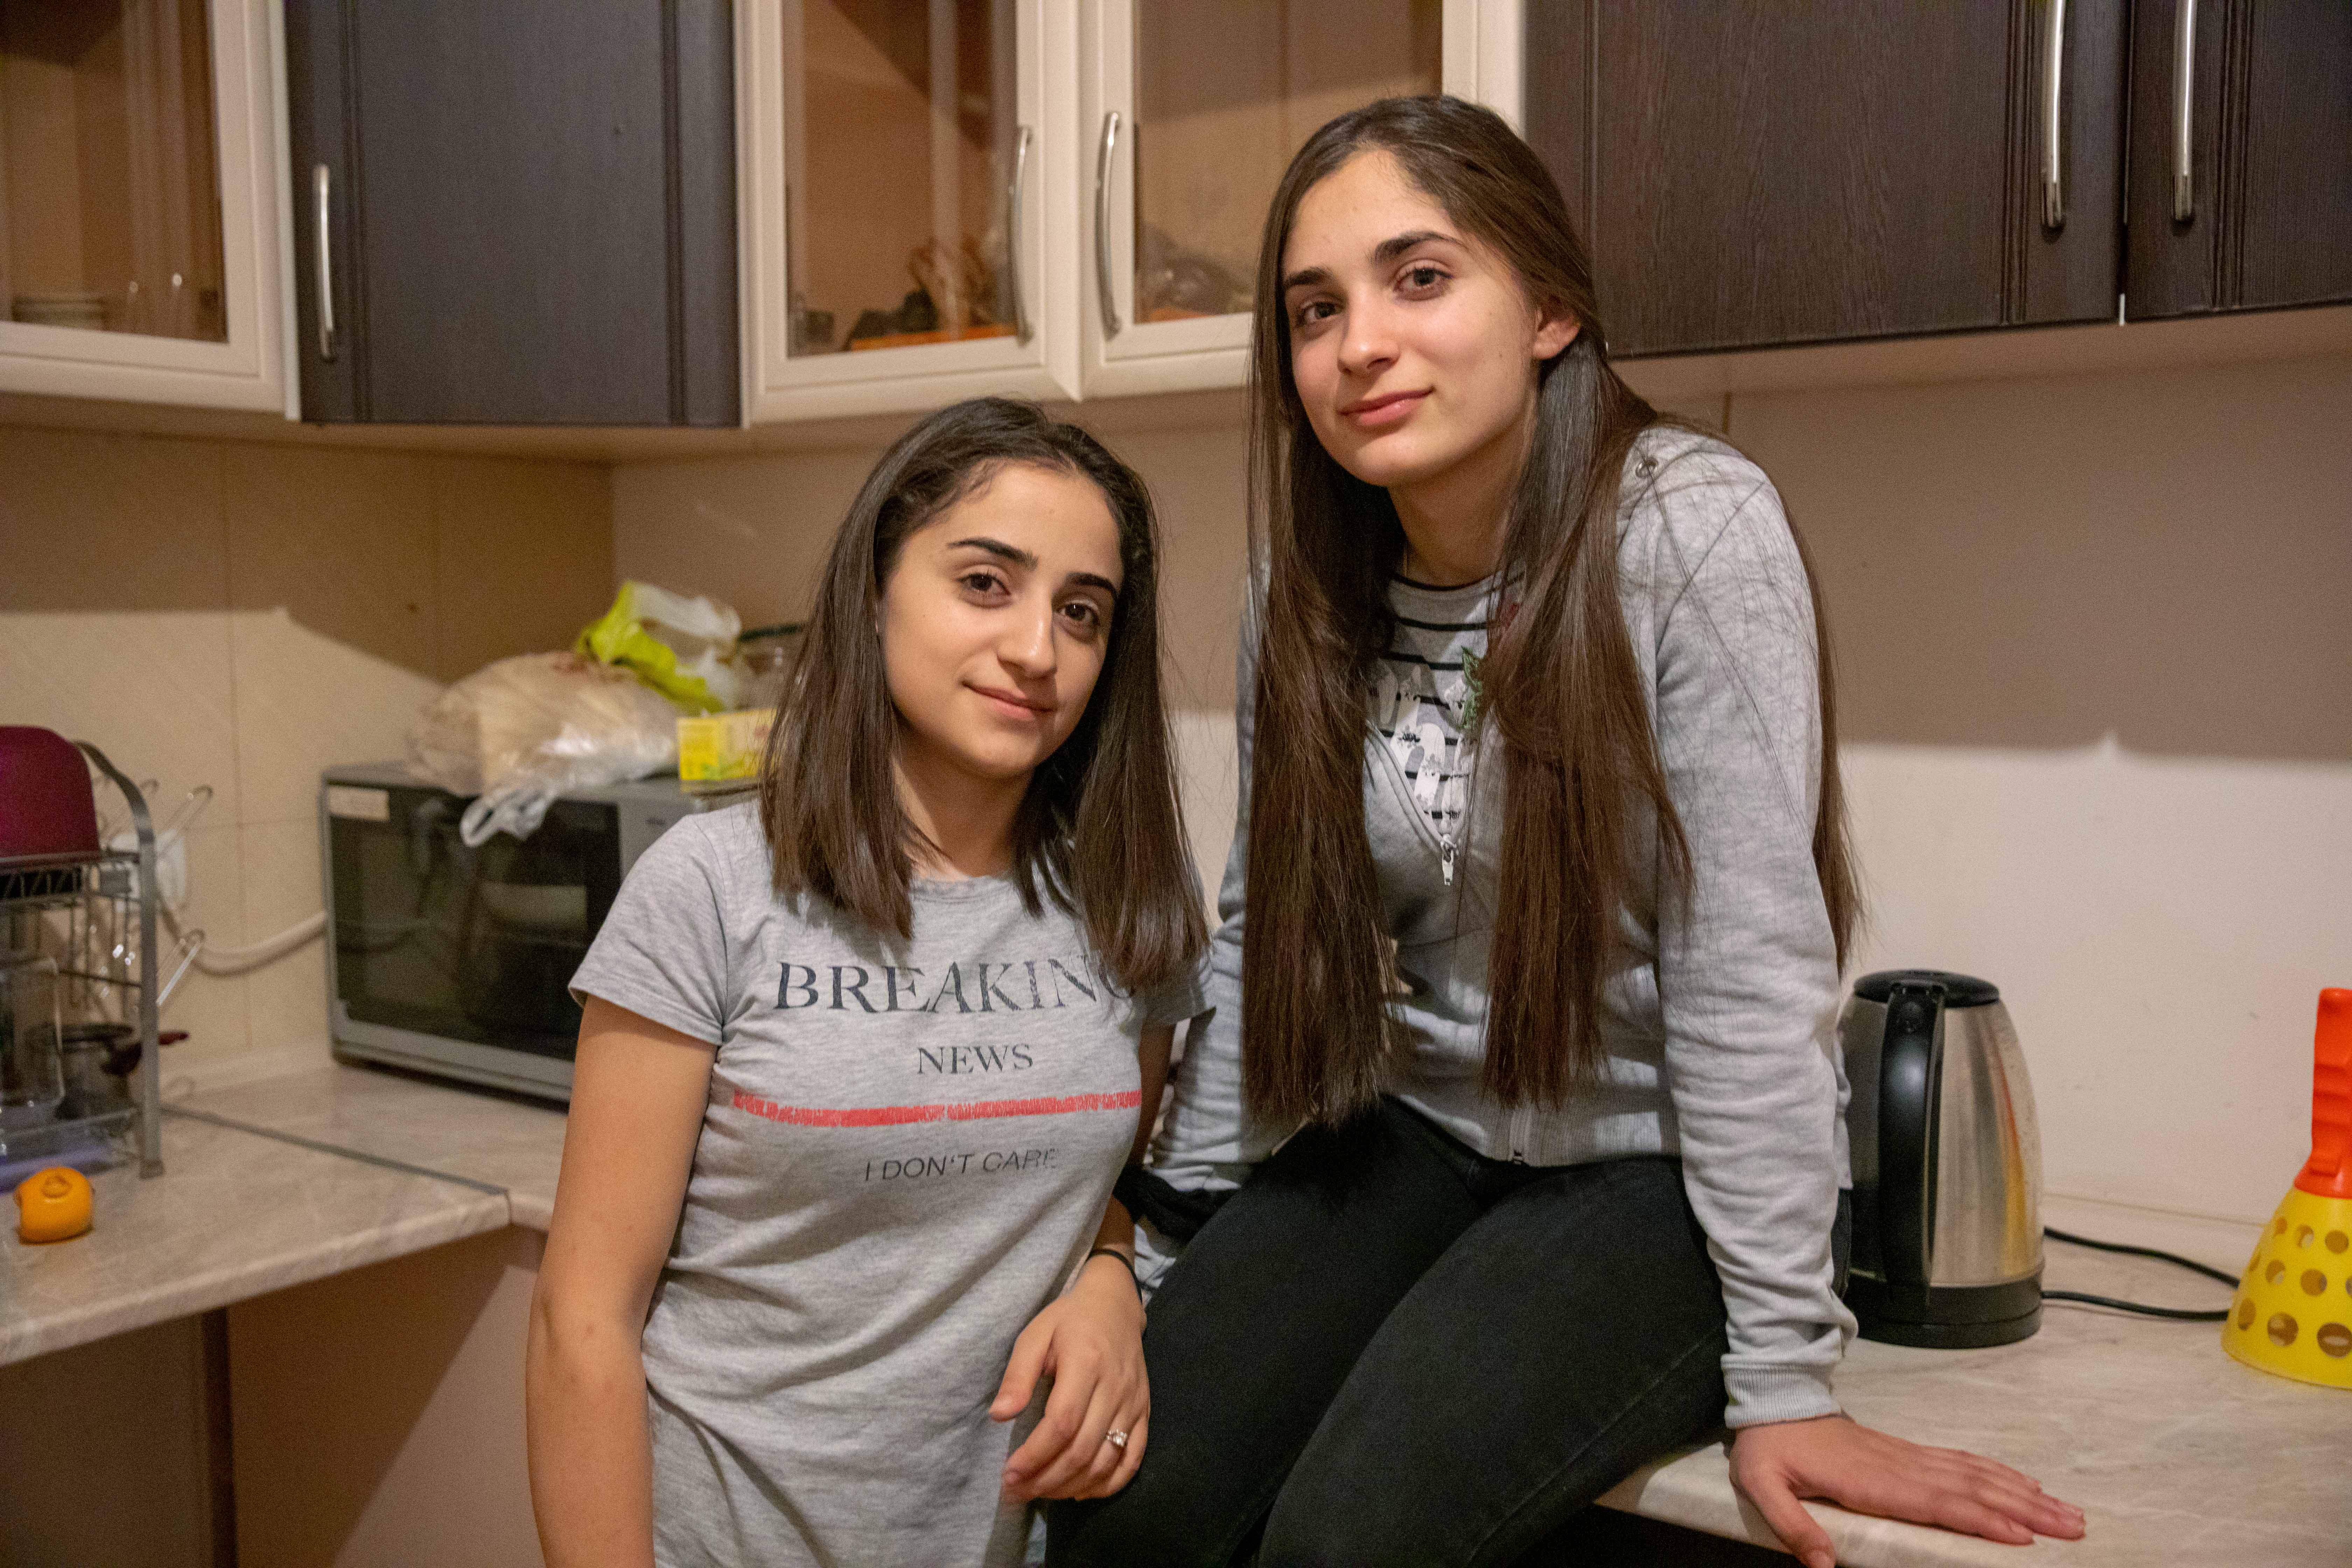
(213, 1011)
(243, 616)
(112, 522)
(286, 1003)
(151, 689)
(305, 515)
(524, 556)
(305, 700)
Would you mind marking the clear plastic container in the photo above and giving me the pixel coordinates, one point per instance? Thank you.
(32, 1077)
(88, 1143)
(769, 654)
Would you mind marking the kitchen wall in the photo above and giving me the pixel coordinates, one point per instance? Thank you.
(2098, 713)
(2098, 704)
(242, 616)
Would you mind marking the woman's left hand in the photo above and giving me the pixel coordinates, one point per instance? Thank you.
(1840, 1461)
(1091, 1341)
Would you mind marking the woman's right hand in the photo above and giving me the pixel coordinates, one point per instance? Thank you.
(1843, 1462)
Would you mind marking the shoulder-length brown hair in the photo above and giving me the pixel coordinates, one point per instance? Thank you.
(1562, 688)
(1099, 832)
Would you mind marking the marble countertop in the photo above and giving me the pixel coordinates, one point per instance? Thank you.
(234, 1215)
(2177, 1454)
(505, 1141)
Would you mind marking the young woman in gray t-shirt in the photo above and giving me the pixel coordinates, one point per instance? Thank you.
(858, 1067)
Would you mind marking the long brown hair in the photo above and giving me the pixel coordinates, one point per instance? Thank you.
(1099, 832)
(1562, 688)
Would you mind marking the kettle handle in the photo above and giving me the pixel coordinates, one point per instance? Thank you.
(1910, 1080)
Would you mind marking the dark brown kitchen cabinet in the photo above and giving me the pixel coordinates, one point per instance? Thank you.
(514, 211)
(1750, 171)
(2240, 192)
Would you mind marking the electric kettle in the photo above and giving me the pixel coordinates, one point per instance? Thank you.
(1947, 1164)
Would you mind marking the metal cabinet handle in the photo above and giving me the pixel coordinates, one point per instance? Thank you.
(2054, 60)
(2184, 70)
(1102, 223)
(1015, 231)
(320, 187)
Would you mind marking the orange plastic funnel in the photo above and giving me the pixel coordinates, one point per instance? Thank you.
(2328, 1172)
(2292, 1314)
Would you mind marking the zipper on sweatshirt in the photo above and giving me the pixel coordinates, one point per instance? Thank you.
(1401, 795)
(1523, 1121)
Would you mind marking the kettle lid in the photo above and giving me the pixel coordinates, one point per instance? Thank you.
(1960, 990)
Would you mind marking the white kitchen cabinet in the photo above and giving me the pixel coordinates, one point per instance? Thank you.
(141, 252)
(1044, 198)
(910, 203)
(1192, 109)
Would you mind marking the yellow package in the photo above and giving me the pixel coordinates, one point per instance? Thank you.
(723, 745)
(681, 647)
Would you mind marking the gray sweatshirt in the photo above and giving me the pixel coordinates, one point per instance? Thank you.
(1719, 1022)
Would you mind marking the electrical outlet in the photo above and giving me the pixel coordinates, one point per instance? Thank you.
(171, 867)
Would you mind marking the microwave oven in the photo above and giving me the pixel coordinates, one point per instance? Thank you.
(458, 962)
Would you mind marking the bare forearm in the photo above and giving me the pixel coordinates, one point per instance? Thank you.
(1116, 1230)
(590, 1459)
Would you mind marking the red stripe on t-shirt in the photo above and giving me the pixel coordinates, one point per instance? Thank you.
(963, 1111)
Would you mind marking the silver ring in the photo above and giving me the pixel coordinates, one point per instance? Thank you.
(1116, 1439)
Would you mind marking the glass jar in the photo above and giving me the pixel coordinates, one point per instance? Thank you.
(770, 654)
(32, 1077)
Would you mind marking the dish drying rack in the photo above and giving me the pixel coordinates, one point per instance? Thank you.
(95, 913)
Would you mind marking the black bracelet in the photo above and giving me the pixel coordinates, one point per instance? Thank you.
(1125, 1261)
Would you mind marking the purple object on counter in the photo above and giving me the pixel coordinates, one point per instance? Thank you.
(89, 1156)
(46, 805)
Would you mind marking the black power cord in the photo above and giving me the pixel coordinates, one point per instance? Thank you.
(2145, 1311)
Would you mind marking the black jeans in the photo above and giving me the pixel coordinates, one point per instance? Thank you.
(1387, 1349)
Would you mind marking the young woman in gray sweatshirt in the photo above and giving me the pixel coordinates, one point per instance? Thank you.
(1522, 1058)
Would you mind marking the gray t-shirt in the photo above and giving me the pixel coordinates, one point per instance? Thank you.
(905, 1156)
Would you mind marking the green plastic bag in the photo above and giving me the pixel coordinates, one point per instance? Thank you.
(682, 647)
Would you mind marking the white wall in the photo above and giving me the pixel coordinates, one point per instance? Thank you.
(2098, 715)
(2098, 664)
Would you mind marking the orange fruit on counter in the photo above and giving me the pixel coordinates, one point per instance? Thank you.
(53, 1205)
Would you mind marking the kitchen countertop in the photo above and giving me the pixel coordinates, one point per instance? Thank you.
(504, 1139)
(234, 1215)
(2177, 1454)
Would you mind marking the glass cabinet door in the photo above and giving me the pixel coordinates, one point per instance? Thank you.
(900, 130)
(1196, 109)
(138, 243)
(1226, 91)
(109, 192)
(897, 185)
